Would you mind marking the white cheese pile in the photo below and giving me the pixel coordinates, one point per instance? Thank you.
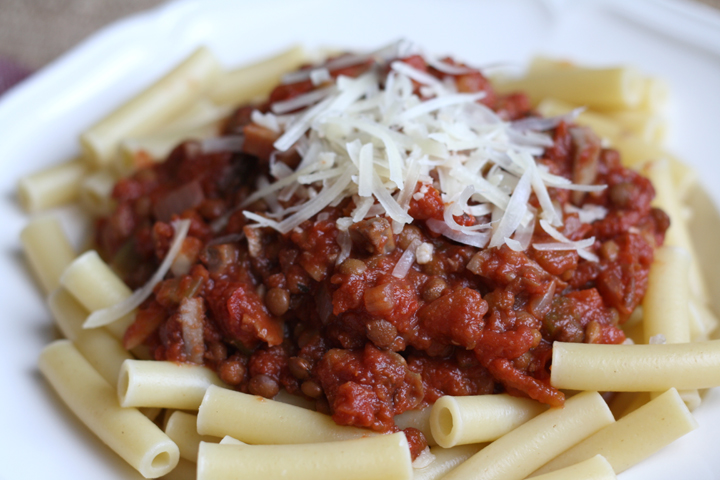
(373, 139)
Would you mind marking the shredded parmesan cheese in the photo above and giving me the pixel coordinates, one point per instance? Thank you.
(402, 267)
(658, 339)
(424, 253)
(375, 139)
(565, 243)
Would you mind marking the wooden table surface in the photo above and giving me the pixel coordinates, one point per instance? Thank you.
(34, 32)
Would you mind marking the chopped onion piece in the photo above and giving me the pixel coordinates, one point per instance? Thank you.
(106, 316)
(345, 243)
(178, 200)
(190, 316)
(230, 143)
(229, 238)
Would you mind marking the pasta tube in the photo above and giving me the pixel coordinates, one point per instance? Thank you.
(602, 125)
(603, 89)
(650, 128)
(256, 420)
(636, 368)
(51, 187)
(517, 454)
(152, 108)
(228, 440)
(480, 418)
(96, 286)
(103, 351)
(181, 427)
(69, 315)
(626, 402)
(594, 468)
(665, 306)
(656, 95)
(419, 419)
(634, 437)
(149, 383)
(611, 125)
(257, 80)
(655, 92)
(185, 470)
(382, 457)
(125, 430)
(705, 320)
(445, 460)
(96, 193)
(47, 249)
(142, 151)
(678, 234)
(201, 113)
(284, 397)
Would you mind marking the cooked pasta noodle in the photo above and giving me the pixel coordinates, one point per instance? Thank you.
(634, 437)
(521, 451)
(125, 430)
(382, 457)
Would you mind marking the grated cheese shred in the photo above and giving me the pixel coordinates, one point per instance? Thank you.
(377, 137)
(106, 316)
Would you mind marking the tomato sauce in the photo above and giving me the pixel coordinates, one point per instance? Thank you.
(278, 312)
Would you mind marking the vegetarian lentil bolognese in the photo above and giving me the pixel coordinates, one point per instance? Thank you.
(383, 230)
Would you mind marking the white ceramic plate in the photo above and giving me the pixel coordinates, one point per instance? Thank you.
(40, 121)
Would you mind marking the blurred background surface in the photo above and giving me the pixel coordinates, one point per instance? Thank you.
(34, 32)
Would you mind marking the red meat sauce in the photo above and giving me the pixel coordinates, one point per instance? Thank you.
(275, 311)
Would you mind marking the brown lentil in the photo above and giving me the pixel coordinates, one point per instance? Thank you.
(277, 301)
(264, 386)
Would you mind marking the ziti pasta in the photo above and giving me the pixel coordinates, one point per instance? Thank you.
(373, 235)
